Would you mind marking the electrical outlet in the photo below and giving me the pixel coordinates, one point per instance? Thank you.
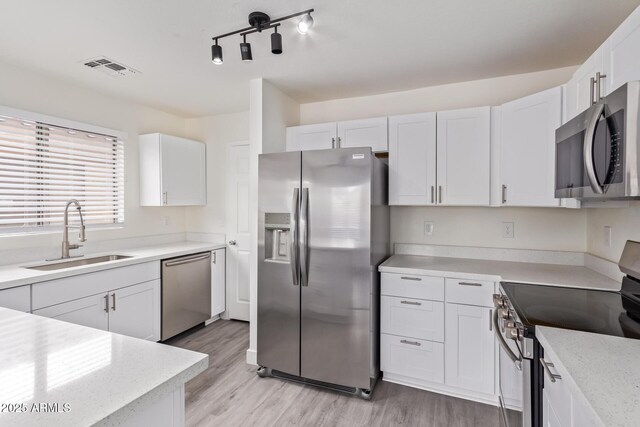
(607, 236)
(428, 228)
(507, 230)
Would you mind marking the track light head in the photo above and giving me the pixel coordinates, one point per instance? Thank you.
(245, 49)
(276, 42)
(305, 24)
(216, 54)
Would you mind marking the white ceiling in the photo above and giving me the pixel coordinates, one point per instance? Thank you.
(357, 47)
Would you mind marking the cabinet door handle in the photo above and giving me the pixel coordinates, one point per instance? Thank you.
(433, 197)
(599, 77)
(417, 279)
(164, 198)
(546, 365)
(113, 301)
(106, 303)
(339, 142)
(215, 257)
(410, 302)
(504, 194)
(410, 342)
(439, 193)
(469, 284)
(333, 143)
(491, 319)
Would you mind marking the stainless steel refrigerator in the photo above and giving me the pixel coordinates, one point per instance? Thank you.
(323, 231)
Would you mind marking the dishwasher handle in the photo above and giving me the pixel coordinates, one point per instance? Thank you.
(187, 260)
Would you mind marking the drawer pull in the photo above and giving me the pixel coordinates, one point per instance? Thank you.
(411, 302)
(469, 284)
(410, 342)
(417, 279)
(546, 365)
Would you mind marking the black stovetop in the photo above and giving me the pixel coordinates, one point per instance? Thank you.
(601, 312)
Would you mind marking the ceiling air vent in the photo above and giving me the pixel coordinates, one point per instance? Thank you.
(109, 67)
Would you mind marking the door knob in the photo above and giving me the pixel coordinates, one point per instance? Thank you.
(232, 242)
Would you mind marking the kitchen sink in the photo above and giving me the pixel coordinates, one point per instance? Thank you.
(59, 265)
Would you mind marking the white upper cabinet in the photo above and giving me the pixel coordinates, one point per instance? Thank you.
(364, 133)
(622, 54)
(463, 153)
(580, 90)
(412, 159)
(312, 137)
(172, 171)
(527, 148)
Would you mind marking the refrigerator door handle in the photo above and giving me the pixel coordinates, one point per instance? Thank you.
(293, 241)
(304, 238)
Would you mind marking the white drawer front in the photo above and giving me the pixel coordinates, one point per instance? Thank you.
(469, 291)
(413, 286)
(57, 291)
(419, 359)
(16, 298)
(412, 318)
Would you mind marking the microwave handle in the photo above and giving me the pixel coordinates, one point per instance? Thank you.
(588, 149)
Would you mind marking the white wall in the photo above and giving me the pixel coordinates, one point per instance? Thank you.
(270, 113)
(624, 223)
(34, 92)
(535, 228)
(216, 132)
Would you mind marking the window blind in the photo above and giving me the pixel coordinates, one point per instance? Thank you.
(43, 166)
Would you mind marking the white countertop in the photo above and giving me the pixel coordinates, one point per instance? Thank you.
(104, 377)
(16, 275)
(603, 368)
(506, 271)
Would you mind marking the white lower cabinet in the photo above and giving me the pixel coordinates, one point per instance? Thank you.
(412, 358)
(91, 311)
(124, 300)
(469, 348)
(18, 298)
(549, 417)
(436, 334)
(412, 318)
(135, 311)
(218, 282)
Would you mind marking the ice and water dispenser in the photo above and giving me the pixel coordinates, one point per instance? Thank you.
(277, 234)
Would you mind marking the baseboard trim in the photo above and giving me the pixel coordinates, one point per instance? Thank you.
(213, 319)
(252, 357)
(440, 389)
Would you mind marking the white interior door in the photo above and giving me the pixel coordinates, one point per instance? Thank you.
(237, 219)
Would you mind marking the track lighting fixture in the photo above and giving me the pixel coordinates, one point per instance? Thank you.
(245, 49)
(260, 21)
(216, 53)
(305, 24)
(276, 42)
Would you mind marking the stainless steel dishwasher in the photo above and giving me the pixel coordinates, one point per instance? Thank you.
(186, 293)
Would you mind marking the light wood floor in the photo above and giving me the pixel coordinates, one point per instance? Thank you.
(229, 393)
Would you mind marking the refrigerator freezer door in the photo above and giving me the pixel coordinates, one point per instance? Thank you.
(278, 270)
(336, 282)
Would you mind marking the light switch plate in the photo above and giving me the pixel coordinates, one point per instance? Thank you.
(428, 228)
(507, 230)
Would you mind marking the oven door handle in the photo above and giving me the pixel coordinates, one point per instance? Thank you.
(503, 343)
(589, 136)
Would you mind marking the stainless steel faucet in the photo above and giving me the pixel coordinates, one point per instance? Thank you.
(65, 233)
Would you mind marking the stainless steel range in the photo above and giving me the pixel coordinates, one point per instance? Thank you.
(521, 307)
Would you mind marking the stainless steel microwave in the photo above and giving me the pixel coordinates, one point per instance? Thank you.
(597, 154)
